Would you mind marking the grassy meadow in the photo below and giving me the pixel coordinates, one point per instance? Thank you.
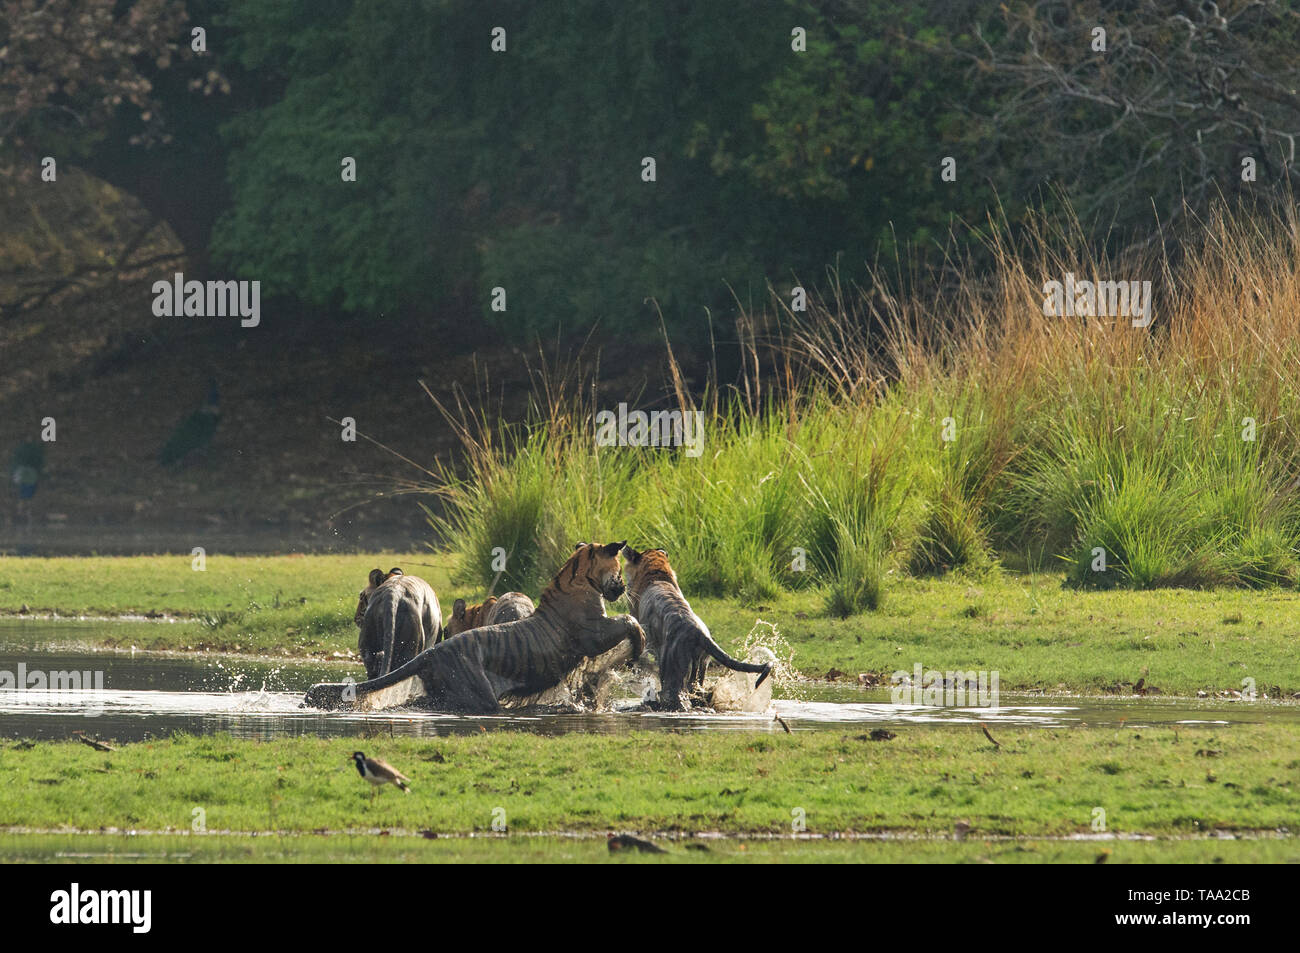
(296, 605)
(1076, 503)
(1040, 633)
(500, 849)
(1171, 782)
(945, 475)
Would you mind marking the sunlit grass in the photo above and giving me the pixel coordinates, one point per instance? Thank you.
(504, 849)
(1164, 781)
(947, 429)
(1038, 633)
(293, 604)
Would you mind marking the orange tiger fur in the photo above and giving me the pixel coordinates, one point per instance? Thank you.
(679, 639)
(508, 608)
(477, 669)
(377, 579)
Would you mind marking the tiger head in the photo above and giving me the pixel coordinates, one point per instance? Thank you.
(377, 579)
(464, 618)
(644, 567)
(598, 566)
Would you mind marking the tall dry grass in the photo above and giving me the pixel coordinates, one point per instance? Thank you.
(948, 427)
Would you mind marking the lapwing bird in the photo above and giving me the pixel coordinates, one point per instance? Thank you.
(93, 742)
(379, 773)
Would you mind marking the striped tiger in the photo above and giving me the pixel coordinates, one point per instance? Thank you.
(377, 577)
(472, 672)
(507, 608)
(679, 639)
(399, 618)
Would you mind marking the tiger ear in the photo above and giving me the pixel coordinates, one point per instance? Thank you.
(395, 571)
(631, 553)
(458, 610)
(376, 577)
(612, 549)
(578, 546)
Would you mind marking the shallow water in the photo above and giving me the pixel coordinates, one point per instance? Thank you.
(151, 695)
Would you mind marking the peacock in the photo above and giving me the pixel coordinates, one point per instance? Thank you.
(25, 468)
(195, 432)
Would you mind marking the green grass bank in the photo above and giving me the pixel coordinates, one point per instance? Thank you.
(386, 849)
(1167, 782)
(1038, 632)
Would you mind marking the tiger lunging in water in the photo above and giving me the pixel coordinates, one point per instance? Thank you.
(473, 671)
(587, 687)
(679, 639)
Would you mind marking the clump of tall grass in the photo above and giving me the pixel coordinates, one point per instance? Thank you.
(729, 519)
(526, 493)
(1160, 453)
(860, 501)
(946, 427)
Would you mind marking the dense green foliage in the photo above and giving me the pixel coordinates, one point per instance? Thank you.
(522, 169)
(788, 136)
(777, 154)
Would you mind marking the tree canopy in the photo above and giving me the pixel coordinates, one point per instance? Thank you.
(786, 135)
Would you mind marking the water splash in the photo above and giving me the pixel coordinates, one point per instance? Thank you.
(766, 642)
(261, 700)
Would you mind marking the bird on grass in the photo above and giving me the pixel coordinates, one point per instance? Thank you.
(195, 432)
(379, 773)
(93, 742)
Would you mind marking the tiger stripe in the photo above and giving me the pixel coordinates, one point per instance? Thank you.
(679, 639)
(473, 671)
(399, 618)
(507, 608)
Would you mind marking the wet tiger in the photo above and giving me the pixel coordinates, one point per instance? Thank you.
(507, 608)
(679, 639)
(587, 686)
(399, 618)
(474, 671)
(377, 578)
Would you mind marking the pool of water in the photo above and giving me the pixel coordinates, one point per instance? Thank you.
(126, 696)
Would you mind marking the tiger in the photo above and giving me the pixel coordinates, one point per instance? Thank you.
(377, 577)
(508, 608)
(472, 673)
(679, 639)
(399, 618)
(588, 685)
